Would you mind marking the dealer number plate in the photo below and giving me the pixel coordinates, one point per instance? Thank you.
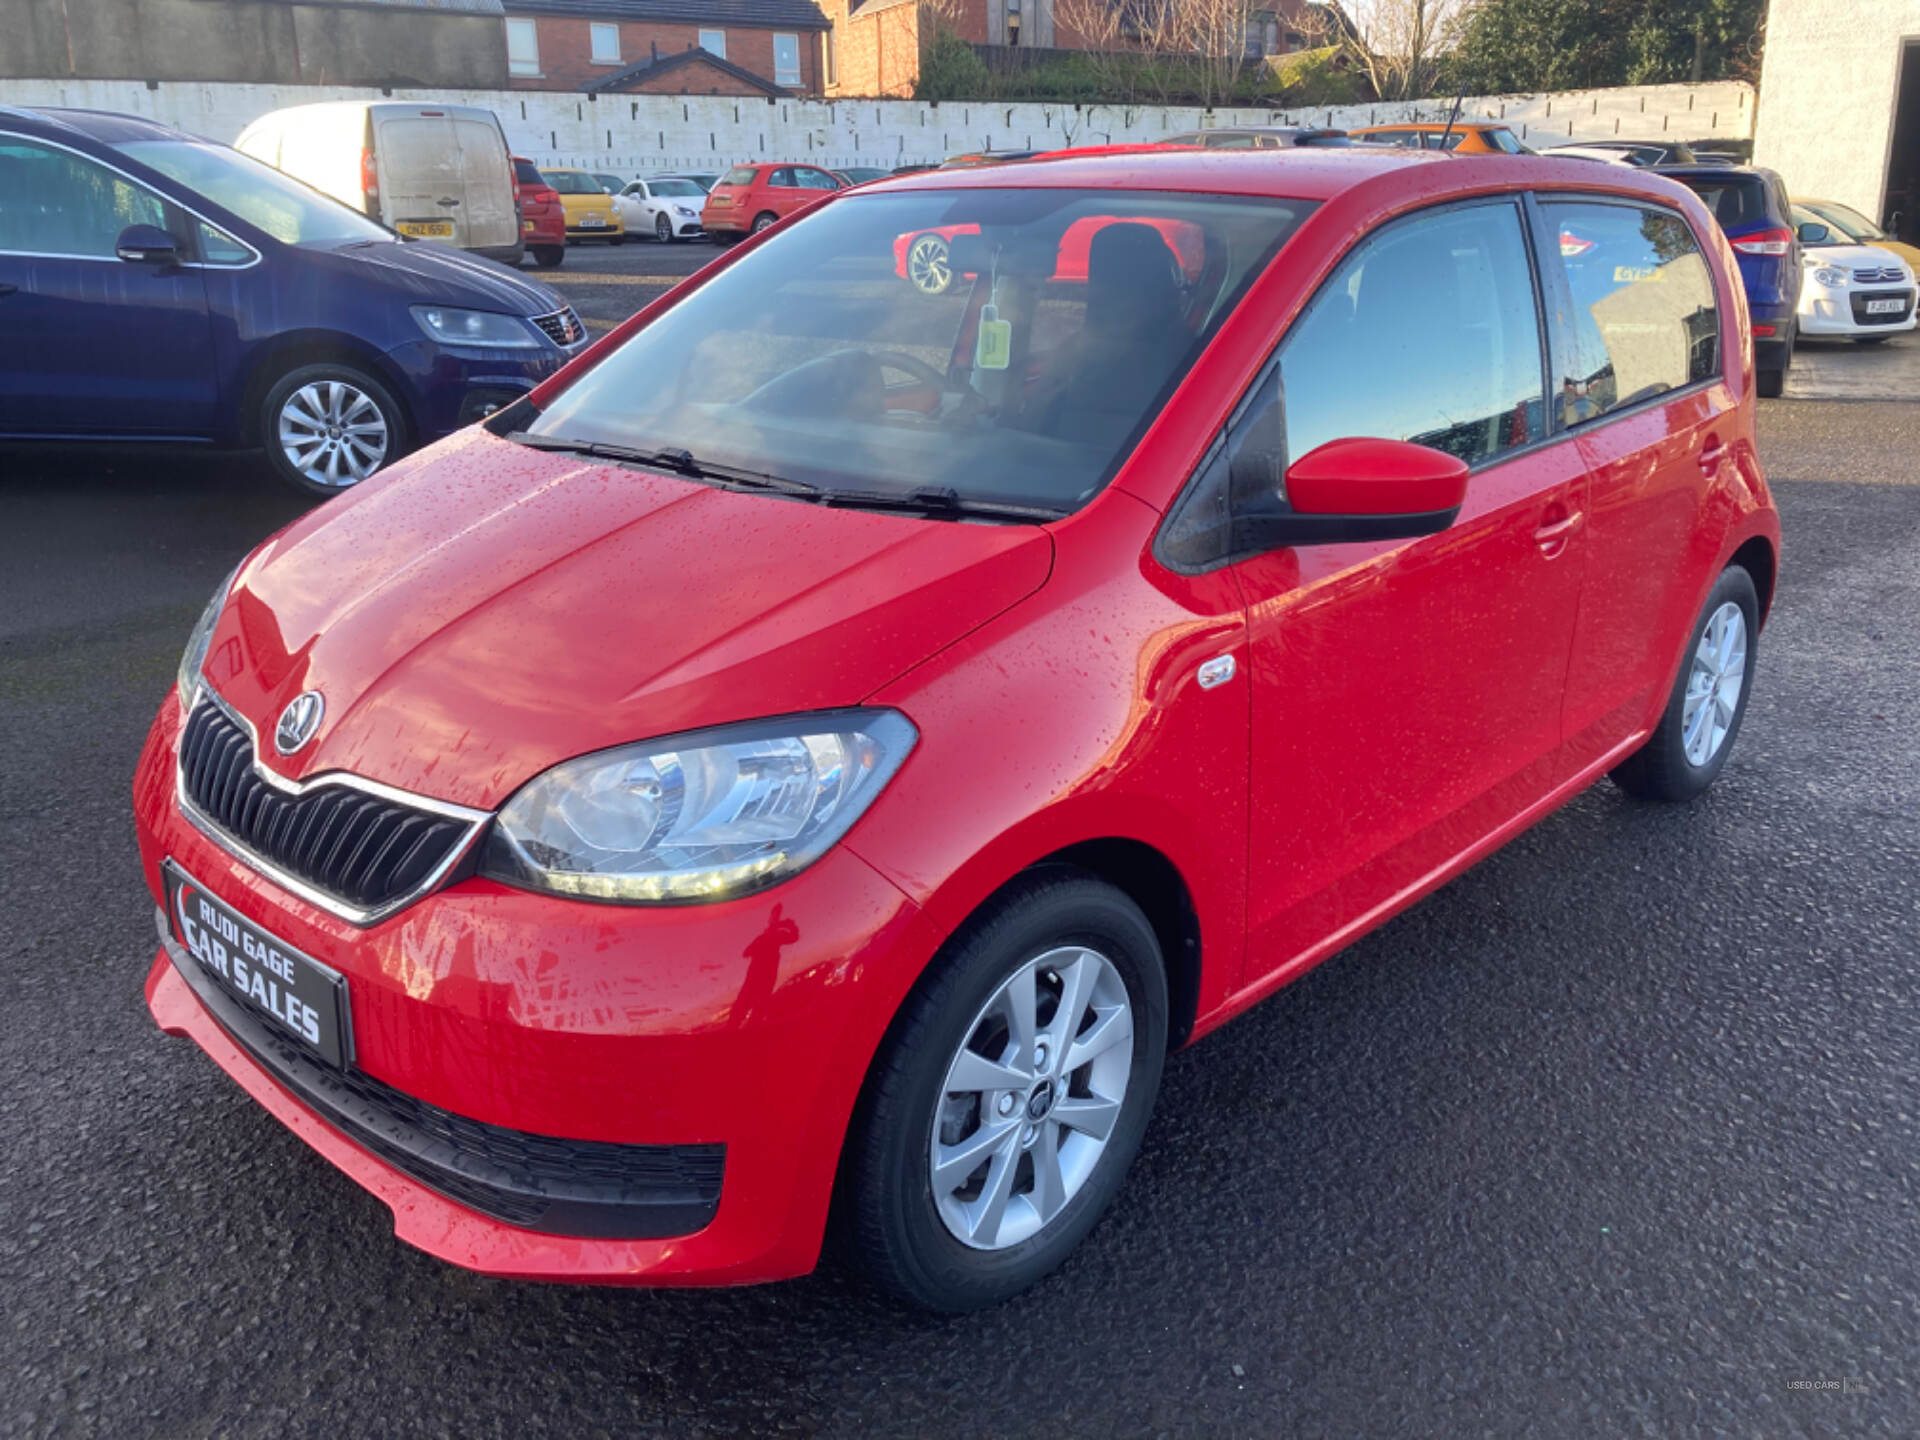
(293, 992)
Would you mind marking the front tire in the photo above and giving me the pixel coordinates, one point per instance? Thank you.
(620, 239)
(1871, 339)
(327, 427)
(1010, 1096)
(929, 265)
(1689, 747)
(663, 229)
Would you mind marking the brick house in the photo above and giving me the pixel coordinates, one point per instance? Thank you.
(695, 47)
(873, 46)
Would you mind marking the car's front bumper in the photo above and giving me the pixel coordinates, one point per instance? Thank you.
(486, 1018)
(1834, 311)
(448, 389)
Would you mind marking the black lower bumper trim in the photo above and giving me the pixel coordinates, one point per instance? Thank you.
(590, 1189)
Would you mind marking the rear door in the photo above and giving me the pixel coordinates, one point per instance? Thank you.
(485, 213)
(423, 185)
(1643, 391)
(95, 345)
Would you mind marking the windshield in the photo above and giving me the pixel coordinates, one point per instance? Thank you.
(1848, 221)
(572, 182)
(667, 189)
(1007, 345)
(287, 210)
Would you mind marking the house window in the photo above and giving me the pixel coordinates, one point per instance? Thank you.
(523, 48)
(714, 42)
(786, 60)
(833, 62)
(606, 44)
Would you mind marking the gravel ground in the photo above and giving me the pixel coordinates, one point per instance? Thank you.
(1612, 1136)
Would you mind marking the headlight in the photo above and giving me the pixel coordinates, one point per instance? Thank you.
(1831, 278)
(690, 214)
(702, 816)
(187, 680)
(475, 327)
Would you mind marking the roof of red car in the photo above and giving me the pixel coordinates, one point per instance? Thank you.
(1305, 173)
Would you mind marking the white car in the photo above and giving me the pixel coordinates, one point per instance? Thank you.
(1860, 292)
(667, 205)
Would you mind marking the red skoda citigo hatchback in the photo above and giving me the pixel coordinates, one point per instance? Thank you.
(817, 752)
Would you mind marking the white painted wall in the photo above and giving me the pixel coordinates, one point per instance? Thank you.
(1828, 84)
(634, 134)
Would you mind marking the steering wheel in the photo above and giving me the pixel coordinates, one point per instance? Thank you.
(932, 383)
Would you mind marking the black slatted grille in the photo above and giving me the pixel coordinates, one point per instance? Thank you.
(563, 327)
(360, 849)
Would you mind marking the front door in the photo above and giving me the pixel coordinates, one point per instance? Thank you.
(1407, 694)
(95, 345)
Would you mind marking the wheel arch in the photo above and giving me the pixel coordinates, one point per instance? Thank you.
(1756, 556)
(315, 347)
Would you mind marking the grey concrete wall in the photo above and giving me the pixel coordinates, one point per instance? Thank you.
(267, 44)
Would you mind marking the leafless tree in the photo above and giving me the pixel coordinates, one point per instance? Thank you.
(1162, 48)
(1396, 44)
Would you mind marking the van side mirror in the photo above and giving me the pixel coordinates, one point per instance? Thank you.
(1812, 233)
(1361, 488)
(147, 245)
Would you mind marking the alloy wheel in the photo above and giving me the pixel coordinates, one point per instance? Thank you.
(1031, 1098)
(663, 229)
(929, 265)
(1714, 683)
(333, 433)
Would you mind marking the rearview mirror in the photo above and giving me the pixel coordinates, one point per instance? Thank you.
(1814, 234)
(1361, 488)
(147, 245)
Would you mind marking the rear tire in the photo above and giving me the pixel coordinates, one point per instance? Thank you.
(1689, 747)
(548, 257)
(327, 427)
(1051, 936)
(764, 220)
(1769, 383)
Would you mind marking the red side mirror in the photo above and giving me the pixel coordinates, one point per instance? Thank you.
(1364, 476)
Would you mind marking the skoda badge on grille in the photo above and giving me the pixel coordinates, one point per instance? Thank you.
(298, 721)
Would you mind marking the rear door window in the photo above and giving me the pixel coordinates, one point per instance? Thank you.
(1428, 332)
(1645, 316)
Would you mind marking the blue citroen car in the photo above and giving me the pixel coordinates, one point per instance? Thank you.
(159, 287)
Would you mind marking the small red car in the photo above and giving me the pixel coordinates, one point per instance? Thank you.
(816, 754)
(543, 218)
(924, 259)
(749, 198)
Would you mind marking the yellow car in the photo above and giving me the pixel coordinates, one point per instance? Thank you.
(591, 213)
(1850, 224)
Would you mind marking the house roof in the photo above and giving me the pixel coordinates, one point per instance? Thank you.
(633, 75)
(717, 14)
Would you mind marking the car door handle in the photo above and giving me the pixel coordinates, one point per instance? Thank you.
(449, 202)
(6, 290)
(1710, 457)
(1553, 536)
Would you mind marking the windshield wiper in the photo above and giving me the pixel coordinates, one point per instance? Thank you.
(938, 501)
(928, 501)
(677, 462)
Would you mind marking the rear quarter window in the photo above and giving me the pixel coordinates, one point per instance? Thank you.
(527, 173)
(1645, 316)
